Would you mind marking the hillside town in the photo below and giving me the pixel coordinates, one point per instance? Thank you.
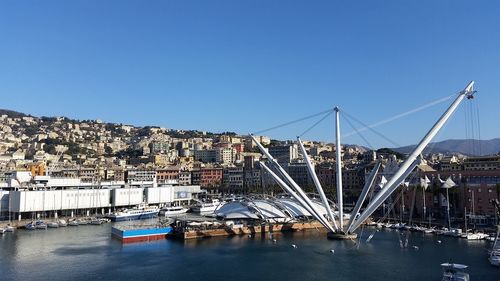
(93, 152)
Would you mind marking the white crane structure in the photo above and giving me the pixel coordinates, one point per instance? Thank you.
(339, 231)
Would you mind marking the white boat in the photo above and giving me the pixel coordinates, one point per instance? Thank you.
(494, 257)
(96, 221)
(176, 210)
(207, 207)
(2, 231)
(30, 226)
(429, 230)
(9, 228)
(454, 232)
(134, 214)
(62, 223)
(52, 224)
(474, 236)
(40, 225)
(454, 272)
(73, 223)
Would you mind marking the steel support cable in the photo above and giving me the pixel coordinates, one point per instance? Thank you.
(317, 123)
(472, 128)
(478, 127)
(367, 127)
(356, 130)
(395, 117)
(292, 122)
(467, 137)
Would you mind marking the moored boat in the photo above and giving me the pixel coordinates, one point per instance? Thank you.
(9, 228)
(175, 210)
(454, 272)
(40, 225)
(30, 226)
(494, 257)
(454, 232)
(134, 214)
(52, 224)
(207, 207)
(62, 223)
(96, 221)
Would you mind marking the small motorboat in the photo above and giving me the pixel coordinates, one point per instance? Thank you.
(96, 221)
(494, 258)
(30, 226)
(454, 272)
(62, 223)
(9, 228)
(53, 224)
(40, 225)
(73, 223)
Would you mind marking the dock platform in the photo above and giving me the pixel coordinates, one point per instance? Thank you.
(140, 232)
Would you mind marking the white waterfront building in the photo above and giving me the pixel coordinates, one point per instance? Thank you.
(46, 196)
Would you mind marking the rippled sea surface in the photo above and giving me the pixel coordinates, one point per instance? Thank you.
(89, 253)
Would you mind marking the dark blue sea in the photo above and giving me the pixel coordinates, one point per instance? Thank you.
(89, 253)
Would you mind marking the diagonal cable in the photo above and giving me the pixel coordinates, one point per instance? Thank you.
(317, 122)
(371, 129)
(292, 122)
(357, 131)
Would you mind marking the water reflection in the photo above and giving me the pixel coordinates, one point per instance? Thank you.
(88, 252)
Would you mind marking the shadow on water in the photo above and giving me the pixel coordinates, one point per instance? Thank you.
(85, 250)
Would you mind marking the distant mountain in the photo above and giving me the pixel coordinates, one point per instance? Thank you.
(464, 146)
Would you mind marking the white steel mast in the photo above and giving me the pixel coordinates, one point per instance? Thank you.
(340, 204)
(315, 213)
(397, 178)
(319, 188)
(291, 192)
(362, 196)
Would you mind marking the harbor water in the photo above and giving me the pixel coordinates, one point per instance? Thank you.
(89, 253)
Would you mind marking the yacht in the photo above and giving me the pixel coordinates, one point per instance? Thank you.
(207, 207)
(175, 210)
(2, 231)
(454, 272)
(134, 214)
(73, 222)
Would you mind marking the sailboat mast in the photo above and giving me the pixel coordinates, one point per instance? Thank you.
(338, 163)
(423, 198)
(448, 207)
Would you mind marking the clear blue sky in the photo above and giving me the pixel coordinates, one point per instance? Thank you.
(247, 65)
